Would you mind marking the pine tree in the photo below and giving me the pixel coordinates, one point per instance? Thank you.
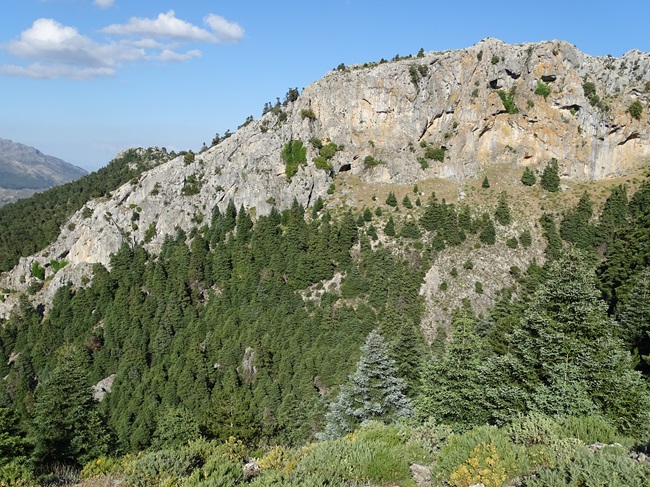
(67, 427)
(452, 389)
(373, 392)
(389, 229)
(485, 184)
(550, 177)
(528, 178)
(488, 234)
(573, 362)
(502, 213)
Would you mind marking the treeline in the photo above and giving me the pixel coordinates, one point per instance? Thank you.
(29, 225)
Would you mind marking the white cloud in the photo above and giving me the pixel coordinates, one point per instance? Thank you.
(169, 55)
(59, 51)
(51, 42)
(168, 26)
(104, 3)
(223, 30)
(43, 71)
(165, 26)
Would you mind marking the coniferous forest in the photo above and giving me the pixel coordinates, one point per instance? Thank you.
(295, 340)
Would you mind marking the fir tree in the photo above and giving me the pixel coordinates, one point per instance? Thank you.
(407, 202)
(67, 427)
(485, 184)
(389, 229)
(502, 213)
(488, 234)
(391, 200)
(550, 177)
(373, 392)
(528, 178)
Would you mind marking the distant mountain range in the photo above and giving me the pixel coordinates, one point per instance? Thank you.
(25, 170)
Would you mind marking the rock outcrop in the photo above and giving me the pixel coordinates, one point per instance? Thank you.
(491, 103)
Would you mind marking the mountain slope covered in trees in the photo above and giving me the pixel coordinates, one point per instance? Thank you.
(492, 329)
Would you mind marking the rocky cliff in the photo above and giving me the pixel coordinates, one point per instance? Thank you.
(449, 115)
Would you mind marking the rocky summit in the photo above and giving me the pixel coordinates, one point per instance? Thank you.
(445, 115)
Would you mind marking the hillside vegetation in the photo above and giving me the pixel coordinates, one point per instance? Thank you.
(31, 224)
(383, 281)
(243, 333)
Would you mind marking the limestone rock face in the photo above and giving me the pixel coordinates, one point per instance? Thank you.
(395, 112)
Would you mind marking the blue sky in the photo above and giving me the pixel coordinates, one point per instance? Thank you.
(84, 79)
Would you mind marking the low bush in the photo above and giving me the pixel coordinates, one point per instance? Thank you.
(483, 454)
(635, 109)
(542, 89)
(607, 467)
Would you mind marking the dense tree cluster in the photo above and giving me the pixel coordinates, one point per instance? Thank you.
(248, 334)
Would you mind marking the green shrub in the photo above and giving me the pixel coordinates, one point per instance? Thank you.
(469, 265)
(525, 239)
(589, 429)
(484, 454)
(188, 158)
(423, 163)
(508, 99)
(321, 163)
(370, 161)
(159, 467)
(58, 265)
(331, 189)
(542, 89)
(308, 113)
(192, 185)
(293, 154)
(453, 272)
(495, 59)
(150, 233)
(603, 468)
(37, 271)
(329, 150)
(375, 455)
(635, 109)
(435, 153)
(316, 143)
(443, 286)
(512, 242)
(533, 429)
(478, 287)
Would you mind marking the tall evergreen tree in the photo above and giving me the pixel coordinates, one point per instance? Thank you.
(502, 213)
(373, 392)
(67, 427)
(550, 177)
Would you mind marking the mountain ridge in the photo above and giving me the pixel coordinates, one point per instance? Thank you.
(447, 115)
(25, 170)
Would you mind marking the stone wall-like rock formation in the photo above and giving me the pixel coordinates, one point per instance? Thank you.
(392, 111)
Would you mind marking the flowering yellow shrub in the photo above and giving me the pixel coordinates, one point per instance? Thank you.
(484, 466)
